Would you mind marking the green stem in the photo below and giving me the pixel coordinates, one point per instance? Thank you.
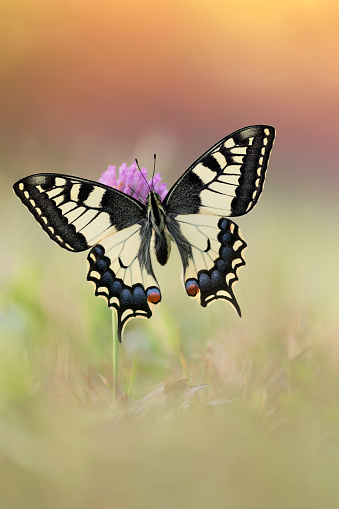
(115, 356)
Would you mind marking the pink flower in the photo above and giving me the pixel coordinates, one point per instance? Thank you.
(130, 181)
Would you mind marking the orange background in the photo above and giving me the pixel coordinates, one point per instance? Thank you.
(85, 84)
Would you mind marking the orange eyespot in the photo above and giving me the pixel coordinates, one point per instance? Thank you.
(153, 296)
(192, 289)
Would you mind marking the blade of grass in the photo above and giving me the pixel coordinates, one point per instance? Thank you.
(132, 376)
(115, 357)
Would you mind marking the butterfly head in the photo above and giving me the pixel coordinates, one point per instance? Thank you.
(153, 199)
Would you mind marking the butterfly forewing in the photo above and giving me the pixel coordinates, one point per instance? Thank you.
(77, 213)
(228, 179)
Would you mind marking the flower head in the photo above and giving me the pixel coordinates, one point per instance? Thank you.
(133, 182)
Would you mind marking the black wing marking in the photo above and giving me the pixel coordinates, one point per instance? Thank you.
(211, 251)
(74, 212)
(228, 179)
(121, 270)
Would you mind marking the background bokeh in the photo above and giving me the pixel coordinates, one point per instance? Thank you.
(86, 84)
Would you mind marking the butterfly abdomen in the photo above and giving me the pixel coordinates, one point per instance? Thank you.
(162, 246)
(161, 241)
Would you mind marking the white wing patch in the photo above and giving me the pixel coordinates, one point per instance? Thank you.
(95, 197)
(220, 189)
(216, 202)
(122, 249)
(205, 174)
(201, 231)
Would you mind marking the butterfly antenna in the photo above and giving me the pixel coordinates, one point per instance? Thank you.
(143, 176)
(138, 195)
(155, 158)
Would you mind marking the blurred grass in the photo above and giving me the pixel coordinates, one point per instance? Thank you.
(264, 433)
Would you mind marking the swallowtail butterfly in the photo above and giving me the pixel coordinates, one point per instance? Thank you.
(121, 231)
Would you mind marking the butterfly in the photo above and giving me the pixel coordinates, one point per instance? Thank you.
(122, 232)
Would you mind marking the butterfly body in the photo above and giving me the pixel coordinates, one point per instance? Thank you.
(156, 218)
(122, 232)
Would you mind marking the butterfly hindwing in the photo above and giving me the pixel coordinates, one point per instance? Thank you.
(213, 258)
(74, 212)
(228, 179)
(121, 270)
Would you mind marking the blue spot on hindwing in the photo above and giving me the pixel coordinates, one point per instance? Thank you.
(126, 298)
(225, 238)
(139, 296)
(223, 223)
(204, 282)
(107, 279)
(103, 264)
(98, 250)
(116, 287)
(217, 279)
(222, 265)
(226, 253)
